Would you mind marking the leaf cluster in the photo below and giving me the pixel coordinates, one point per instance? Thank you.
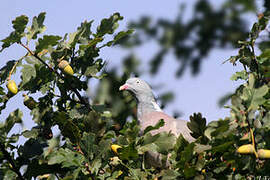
(89, 126)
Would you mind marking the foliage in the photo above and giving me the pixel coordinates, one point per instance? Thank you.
(190, 38)
(88, 127)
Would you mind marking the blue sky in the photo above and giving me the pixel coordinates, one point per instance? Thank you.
(193, 94)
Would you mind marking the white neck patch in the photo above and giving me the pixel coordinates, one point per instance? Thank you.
(156, 106)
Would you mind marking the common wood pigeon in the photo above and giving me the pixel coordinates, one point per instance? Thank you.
(149, 112)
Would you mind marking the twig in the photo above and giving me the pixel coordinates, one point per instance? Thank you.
(82, 100)
(253, 142)
(11, 161)
(11, 71)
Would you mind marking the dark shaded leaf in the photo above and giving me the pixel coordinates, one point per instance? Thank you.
(35, 169)
(31, 148)
(19, 24)
(119, 36)
(4, 71)
(47, 41)
(67, 127)
(197, 125)
(108, 25)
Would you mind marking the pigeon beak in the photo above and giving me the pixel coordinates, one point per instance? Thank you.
(124, 87)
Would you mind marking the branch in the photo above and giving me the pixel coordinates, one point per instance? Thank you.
(11, 161)
(82, 100)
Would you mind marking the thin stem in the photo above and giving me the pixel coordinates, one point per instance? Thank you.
(11, 71)
(36, 56)
(11, 161)
(253, 142)
(82, 100)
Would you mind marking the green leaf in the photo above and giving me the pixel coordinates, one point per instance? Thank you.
(31, 148)
(254, 96)
(169, 174)
(258, 27)
(165, 142)
(108, 25)
(186, 155)
(157, 126)
(257, 98)
(47, 41)
(88, 145)
(42, 80)
(82, 35)
(95, 165)
(19, 25)
(4, 71)
(129, 152)
(66, 158)
(147, 147)
(180, 144)
(27, 73)
(119, 36)
(67, 127)
(116, 175)
(220, 168)
(37, 27)
(197, 125)
(189, 172)
(33, 133)
(12, 119)
(199, 148)
(85, 28)
(94, 41)
(221, 128)
(243, 75)
(211, 127)
(91, 71)
(266, 121)
(9, 174)
(36, 168)
(8, 41)
(223, 147)
(165, 98)
(224, 99)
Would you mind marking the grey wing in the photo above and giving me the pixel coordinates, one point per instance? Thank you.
(182, 128)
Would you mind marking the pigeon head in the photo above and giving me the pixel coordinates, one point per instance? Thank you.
(139, 88)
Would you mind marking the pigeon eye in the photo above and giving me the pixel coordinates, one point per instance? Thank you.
(138, 82)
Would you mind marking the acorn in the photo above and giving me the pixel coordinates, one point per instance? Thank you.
(64, 66)
(246, 149)
(203, 171)
(12, 87)
(264, 153)
(114, 148)
(29, 102)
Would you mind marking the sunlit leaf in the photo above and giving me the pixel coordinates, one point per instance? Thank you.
(37, 26)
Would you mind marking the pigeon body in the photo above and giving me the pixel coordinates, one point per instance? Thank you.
(149, 113)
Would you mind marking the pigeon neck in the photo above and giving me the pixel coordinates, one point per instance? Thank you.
(146, 105)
